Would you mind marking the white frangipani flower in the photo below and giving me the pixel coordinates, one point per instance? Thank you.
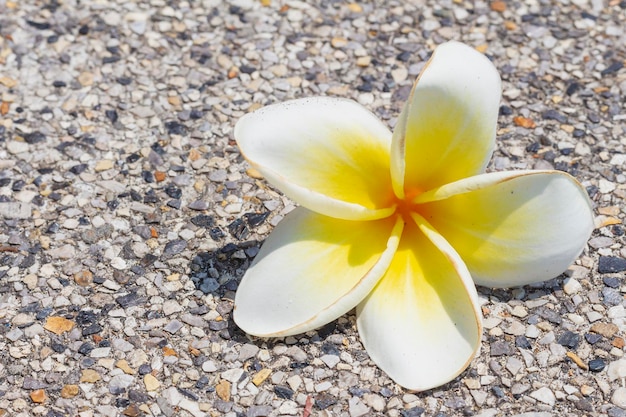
(402, 225)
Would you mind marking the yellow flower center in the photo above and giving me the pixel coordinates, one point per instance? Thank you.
(405, 206)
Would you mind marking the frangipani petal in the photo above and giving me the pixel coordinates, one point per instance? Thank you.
(512, 228)
(421, 324)
(330, 155)
(311, 270)
(447, 128)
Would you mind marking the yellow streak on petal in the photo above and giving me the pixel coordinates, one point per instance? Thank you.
(421, 323)
(311, 270)
(513, 228)
(329, 155)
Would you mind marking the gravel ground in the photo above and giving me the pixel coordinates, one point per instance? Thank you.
(128, 215)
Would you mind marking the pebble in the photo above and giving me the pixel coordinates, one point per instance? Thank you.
(15, 210)
(611, 264)
(617, 369)
(117, 128)
(619, 397)
(607, 330)
(544, 395)
(596, 365)
(500, 348)
(571, 286)
(357, 408)
(569, 340)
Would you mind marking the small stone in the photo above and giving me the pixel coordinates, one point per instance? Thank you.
(83, 278)
(576, 359)
(611, 264)
(58, 325)
(248, 351)
(612, 282)
(338, 42)
(15, 210)
(90, 376)
(119, 383)
(219, 175)
(607, 330)
(596, 365)
(500, 348)
(69, 391)
(283, 391)
(123, 365)
(518, 388)
(571, 286)
(330, 360)
(586, 390)
(223, 390)
(544, 395)
(173, 248)
(151, 383)
(617, 370)
(498, 6)
(619, 397)
(103, 165)
(132, 411)
(513, 365)
(38, 396)
(524, 122)
(14, 147)
(259, 411)
(261, 376)
(356, 408)
(569, 339)
(472, 383)
(611, 296)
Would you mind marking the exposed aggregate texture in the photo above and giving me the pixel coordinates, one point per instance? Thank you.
(128, 216)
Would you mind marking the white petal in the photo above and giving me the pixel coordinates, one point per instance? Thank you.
(512, 228)
(421, 324)
(330, 155)
(447, 128)
(311, 270)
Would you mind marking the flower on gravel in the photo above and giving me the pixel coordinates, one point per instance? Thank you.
(402, 225)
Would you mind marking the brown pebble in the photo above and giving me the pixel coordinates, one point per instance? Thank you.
(83, 278)
(69, 391)
(132, 411)
(124, 366)
(89, 375)
(254, 173)
(355, 8)
(194, 154)
(524, 122)
(233, 72)
(174, 100)
(482, 48)
(261, 376)
(618, 342)
(338, 42)
(58, 324)
(151, 383)
(609, 210)
(223, 390)
(498, 6)
(38, 396)
(605, 329)
(576, 359)
(159, 176)
(509, 25)
(168, 351)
